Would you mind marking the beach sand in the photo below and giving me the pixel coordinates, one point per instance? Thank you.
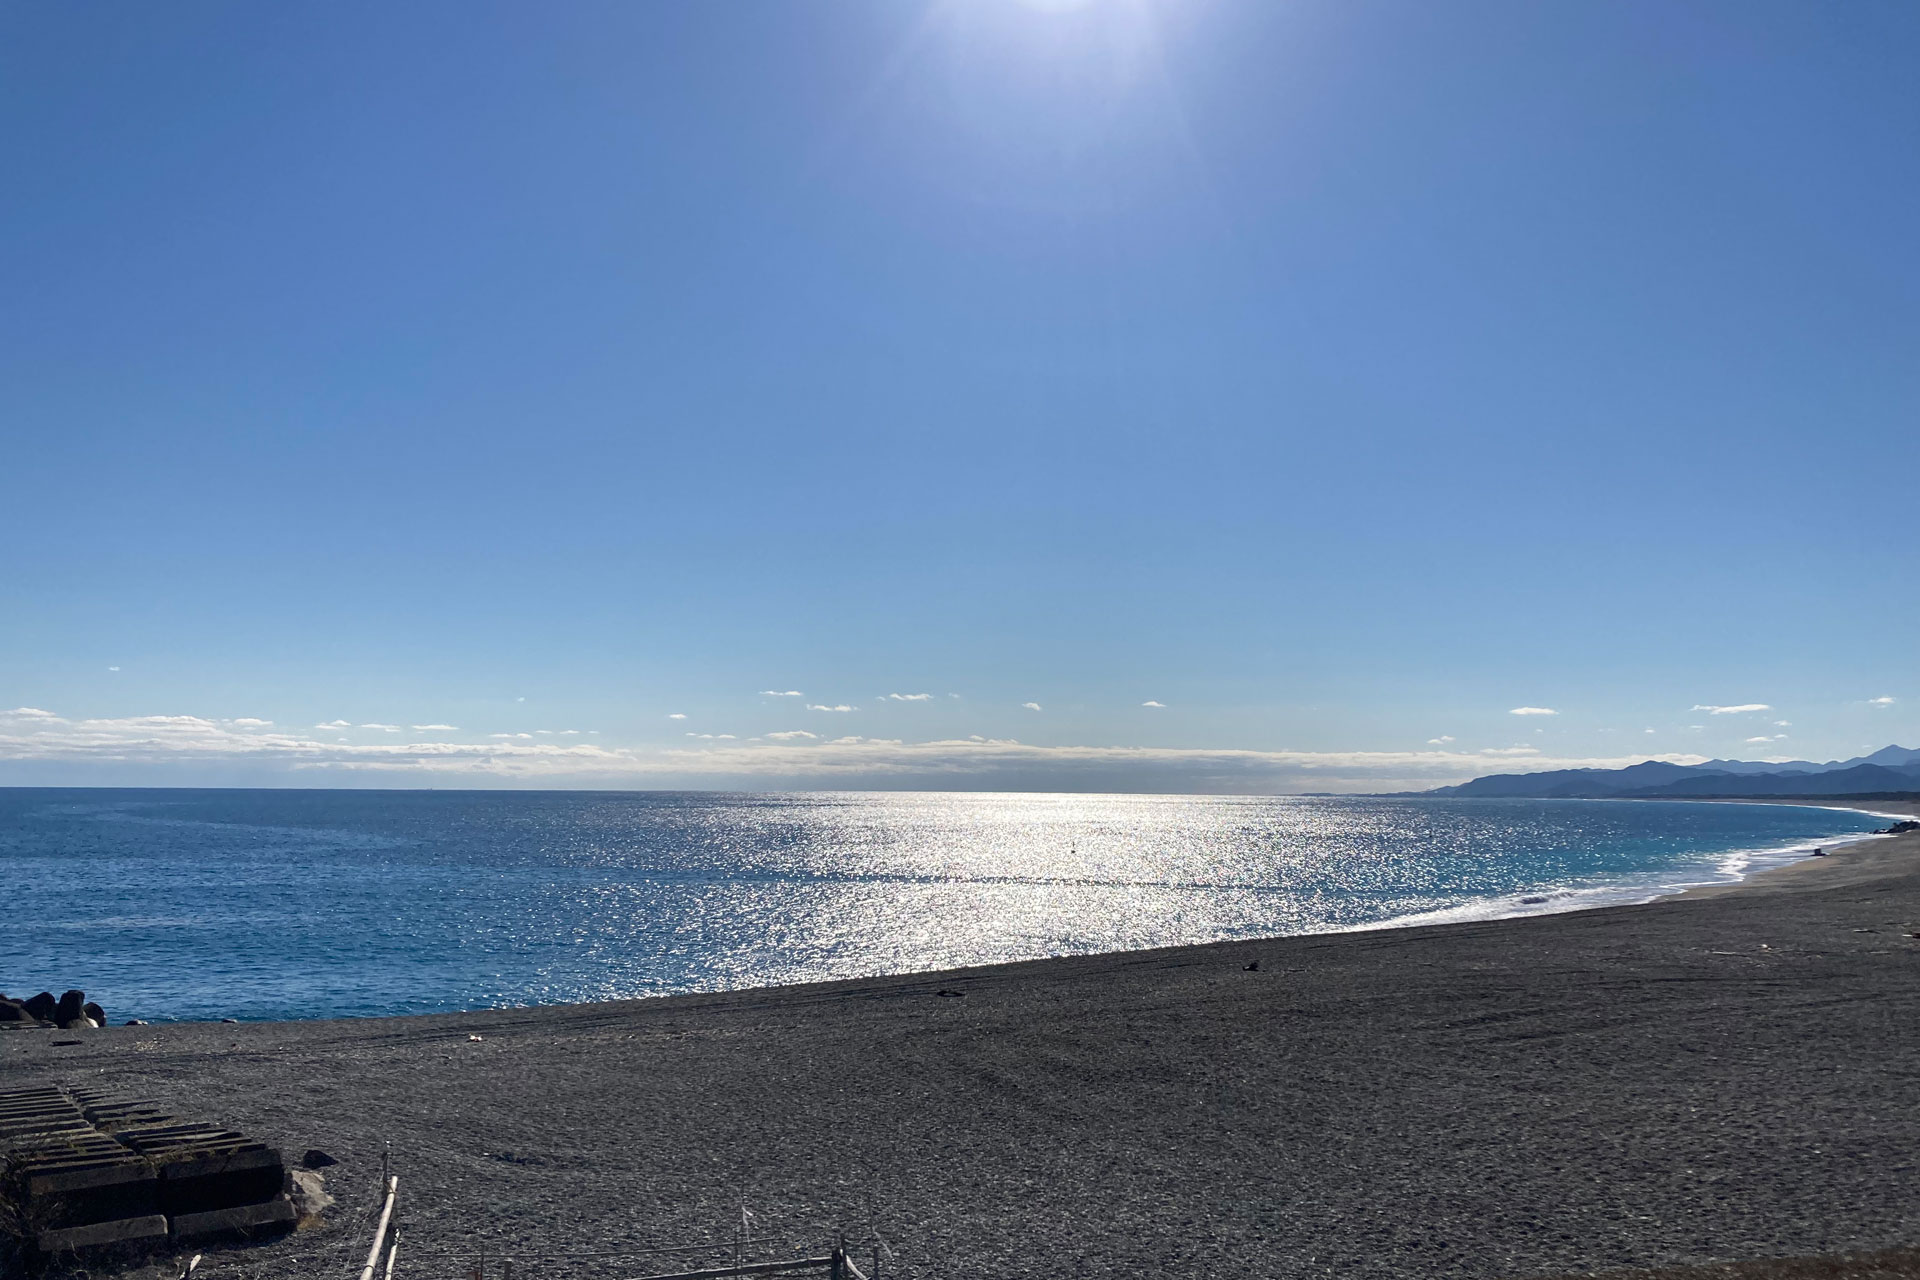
(1727, 1074)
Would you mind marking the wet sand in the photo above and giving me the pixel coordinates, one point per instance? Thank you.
(1726, 1074)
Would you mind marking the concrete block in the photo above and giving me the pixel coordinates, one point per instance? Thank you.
(120, 1231)
(273, 1215)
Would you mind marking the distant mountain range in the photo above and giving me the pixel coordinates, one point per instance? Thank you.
(1890, 769)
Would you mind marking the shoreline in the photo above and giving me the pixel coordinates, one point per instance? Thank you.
(1630, 890)
(1644, 893)
(1700, 1077)
(1788, 874)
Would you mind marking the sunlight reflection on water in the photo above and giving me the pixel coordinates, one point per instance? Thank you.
(313, 904)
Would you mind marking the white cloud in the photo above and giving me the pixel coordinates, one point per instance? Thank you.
(909, 697)
(544, 733)
(437, 728)
(1151, 703)
(525, 736)
(953, 695)
(384, 728)
(1031, 706)
(676, 715)
(781, 693)
(1731, 711)
(1533, 711)
(113, 668)
(1778, 737)
(1782, 724)
(1652, 731)
(1440, 741)
(792, 758)
(248, 722)
(814, 706)
(711, 737)
(1882, 701)
(333, 724)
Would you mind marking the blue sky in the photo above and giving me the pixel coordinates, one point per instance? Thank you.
(1338, 376)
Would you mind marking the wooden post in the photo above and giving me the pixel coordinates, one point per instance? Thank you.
(380, 1231)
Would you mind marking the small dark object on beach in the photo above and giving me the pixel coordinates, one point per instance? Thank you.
(62, 1043)
(235, 1021)
(41, 1006)
(1819, 853)
(134, 1022)
(95, 1012)
(317, 1159)
(514, 1157)
(1252, 968)
(1531, 902)
(944, 992)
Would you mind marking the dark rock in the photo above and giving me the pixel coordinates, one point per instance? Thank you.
(232, 1020)
(95, 1012)
(1252, 968)
(41, 1006)
(134, 1022)
(72, 1006)
(317, 1159)
(955, 995)
(13, 1011)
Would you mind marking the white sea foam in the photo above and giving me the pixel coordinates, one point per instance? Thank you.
(1730, 867)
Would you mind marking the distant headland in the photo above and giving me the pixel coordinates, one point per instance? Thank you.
(1890, 772)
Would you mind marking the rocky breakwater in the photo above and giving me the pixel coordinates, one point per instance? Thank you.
(70, 1012)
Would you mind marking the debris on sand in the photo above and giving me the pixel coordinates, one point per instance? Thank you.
(83, 1172)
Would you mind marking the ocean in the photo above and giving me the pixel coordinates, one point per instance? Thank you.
(175, 904)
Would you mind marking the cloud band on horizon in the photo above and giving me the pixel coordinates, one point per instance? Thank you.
(32, 736)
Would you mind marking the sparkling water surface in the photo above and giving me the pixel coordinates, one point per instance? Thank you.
(316, 904)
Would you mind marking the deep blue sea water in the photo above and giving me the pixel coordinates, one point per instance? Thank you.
(312, 904)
